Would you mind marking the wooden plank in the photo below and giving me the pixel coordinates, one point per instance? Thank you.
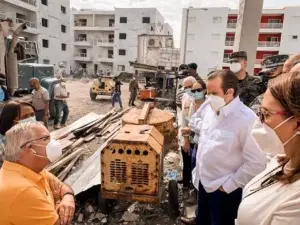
(90, 138)
(144, 114)
(64, 132)
(66, 159)
(66, 170)
(65, 143)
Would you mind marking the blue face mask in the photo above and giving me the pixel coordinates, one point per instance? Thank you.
(188, 91)
(198, 95)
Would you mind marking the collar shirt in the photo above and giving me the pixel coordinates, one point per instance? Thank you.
(40, 98)
(227, 154)
(60, 90)
(25, 196)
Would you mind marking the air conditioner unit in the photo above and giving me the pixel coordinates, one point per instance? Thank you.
(154, 43)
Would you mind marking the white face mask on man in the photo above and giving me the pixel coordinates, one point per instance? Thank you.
(53, 151)
(216, 102)
(235, 67)
(267, 139)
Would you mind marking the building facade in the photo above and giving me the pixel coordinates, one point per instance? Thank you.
(107, 40)
(208, 34)
(48, 24)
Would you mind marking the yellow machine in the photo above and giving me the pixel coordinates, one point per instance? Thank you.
(132, 162)
(102, 86)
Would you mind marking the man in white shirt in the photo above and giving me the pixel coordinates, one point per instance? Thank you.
(40, 101)
(60, 103)
(227, 158)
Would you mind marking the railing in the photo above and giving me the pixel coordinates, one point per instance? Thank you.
(110, 56)
(271, 25)
(31, 2)
(229, 43)
(226, 60)
(84, 55)
(268, 44)
(231, 25)
(80, 39)
(262, 25)
(80, 24)
(110, 40)
(28, 23)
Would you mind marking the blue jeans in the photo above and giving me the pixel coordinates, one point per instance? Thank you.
(61, 106)
(194, 155)
(217, 208)
(116, 97)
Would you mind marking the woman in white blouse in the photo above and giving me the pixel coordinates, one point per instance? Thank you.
(273, 197)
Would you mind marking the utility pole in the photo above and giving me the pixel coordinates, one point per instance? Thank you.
(247, 31)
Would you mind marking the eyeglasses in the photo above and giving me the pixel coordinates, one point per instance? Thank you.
(45, 138)
(264, 114)
(197, 90)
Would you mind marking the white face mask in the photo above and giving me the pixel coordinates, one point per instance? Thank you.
(235, 67)
(30, 119)
(216, 102)
(267, 139)
(188, 91)
(53, 151)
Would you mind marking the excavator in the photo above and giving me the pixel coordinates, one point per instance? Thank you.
(18, 63)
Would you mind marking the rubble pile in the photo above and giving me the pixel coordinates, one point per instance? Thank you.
(75, 136)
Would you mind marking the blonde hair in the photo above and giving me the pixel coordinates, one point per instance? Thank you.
(16, 137)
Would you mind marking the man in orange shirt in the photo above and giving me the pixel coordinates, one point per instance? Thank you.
(29, 195)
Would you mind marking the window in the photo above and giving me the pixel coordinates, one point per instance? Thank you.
(111, 38)
(122, 36)
(123, 19)
(232, 21)
(274, 39)
(294, 37)
(229, 38)
(44, 2)
(64, 47)
(110, 54)
(122, 52)
(63, 9)
(121, 68)
(46, 61)
(44, 22)
(111, 22)
(63, 28)
(146, 20)
(217, 19)
(45, 43)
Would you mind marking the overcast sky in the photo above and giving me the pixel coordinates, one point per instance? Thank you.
(172, 9)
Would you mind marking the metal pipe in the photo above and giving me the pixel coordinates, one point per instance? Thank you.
(186, 33)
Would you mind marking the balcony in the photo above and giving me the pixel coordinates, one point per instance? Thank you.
(82, 42)
(109, 58)
(82, 57)
(87, 27)
(268, 46)
(271, 25)
(105, 42)
(231, 25)
(26, 4)
(226, 60)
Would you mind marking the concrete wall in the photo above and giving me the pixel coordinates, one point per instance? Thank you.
(290, 28)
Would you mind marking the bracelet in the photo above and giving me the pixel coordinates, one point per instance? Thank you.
(68, 193)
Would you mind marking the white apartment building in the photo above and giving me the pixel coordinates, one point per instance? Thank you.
(107, 40)
(207, 36)
(48, 24)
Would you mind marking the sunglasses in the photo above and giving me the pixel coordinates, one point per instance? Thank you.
(197, 90)
(264, 114)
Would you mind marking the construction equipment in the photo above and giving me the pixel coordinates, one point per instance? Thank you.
(102, 86)
(132, 168)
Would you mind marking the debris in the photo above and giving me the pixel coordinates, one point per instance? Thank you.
(130, 217)
(190, 211)
(132, 207)
(80, 217)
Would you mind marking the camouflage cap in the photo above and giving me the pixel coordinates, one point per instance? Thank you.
(237, 55)
(274, 61)
(270, 63)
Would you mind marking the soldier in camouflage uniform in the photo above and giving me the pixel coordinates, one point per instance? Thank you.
(249, 87)
(272, 67)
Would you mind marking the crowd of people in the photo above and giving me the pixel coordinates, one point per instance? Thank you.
(239, 137)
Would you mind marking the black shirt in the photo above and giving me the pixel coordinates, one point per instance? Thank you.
(118, 86)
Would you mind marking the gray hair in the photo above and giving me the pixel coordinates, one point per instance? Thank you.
(190, 79)
(16, 137)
